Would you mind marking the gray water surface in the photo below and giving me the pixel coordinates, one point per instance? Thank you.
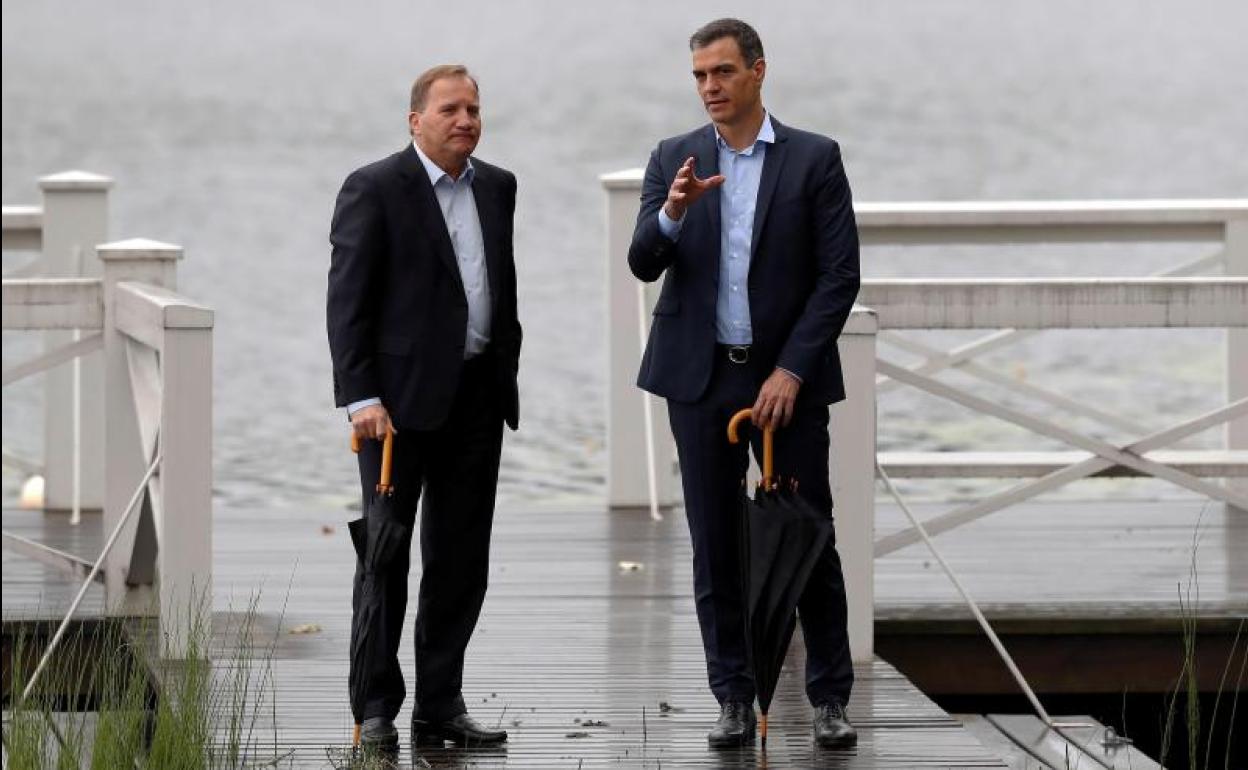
(229, 126)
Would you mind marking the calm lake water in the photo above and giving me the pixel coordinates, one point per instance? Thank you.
(230, 125)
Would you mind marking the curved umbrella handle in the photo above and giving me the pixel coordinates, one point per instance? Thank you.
(387, 459)
(769, 475)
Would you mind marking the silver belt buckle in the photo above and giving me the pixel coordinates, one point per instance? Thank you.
(738, 354)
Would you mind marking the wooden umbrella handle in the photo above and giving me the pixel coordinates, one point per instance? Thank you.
(769, 475)
(387, 459)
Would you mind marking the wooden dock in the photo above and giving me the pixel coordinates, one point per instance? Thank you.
(588, 649)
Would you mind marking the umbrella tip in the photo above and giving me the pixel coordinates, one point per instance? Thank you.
(763, 727)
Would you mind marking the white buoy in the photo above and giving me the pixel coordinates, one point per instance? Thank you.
(32, 492)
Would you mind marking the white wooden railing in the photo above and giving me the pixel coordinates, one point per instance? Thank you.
(1015, 308)
(155, 407)
(63, 233)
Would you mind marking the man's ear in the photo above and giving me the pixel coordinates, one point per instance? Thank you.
(760, 69)
(413, 123)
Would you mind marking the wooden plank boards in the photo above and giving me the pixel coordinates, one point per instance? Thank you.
(35, 591)
(1079, 561)
(566, 636)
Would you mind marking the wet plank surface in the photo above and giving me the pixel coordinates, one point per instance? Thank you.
(568, 635)
(1084, 564)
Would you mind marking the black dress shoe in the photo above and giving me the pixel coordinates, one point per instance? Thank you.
(379, 738)
(832, 727)
(461, 729)
(735, 726)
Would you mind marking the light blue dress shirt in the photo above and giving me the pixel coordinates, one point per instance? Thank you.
(459, 211)
(742, 170)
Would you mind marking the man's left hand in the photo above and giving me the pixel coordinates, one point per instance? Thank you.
(775, 403)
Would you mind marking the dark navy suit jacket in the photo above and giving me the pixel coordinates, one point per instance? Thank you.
(803, 265)
(396, 309)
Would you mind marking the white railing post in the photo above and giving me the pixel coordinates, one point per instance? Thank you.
(125, 460)
(75, 219)
(184, 561)
(1237, 344)
(627, 472)
(853, 477)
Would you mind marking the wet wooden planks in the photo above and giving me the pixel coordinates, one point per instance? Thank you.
(586, 662)
(590, 617)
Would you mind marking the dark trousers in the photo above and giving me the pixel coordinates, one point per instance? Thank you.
(457, 467)
(711, 471)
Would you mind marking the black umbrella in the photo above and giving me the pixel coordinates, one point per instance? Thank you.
(379, 537)
(782, 537)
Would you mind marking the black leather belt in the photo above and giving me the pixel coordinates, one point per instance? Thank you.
(737, 354)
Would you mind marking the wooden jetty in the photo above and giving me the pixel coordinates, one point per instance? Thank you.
(591, 663)
(590, 620)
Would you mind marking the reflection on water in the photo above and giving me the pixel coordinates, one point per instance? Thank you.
(230, 125)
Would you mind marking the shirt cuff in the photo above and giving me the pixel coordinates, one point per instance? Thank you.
(356, 406)
(668, 226)
(792, 374)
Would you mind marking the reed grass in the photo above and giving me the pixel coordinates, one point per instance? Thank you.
(113, 698)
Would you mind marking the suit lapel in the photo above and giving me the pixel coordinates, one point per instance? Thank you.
(489, 211)
(424, 203)
(773, 162)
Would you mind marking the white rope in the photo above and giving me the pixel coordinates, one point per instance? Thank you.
(979, 616)
(75, 517)
(95, 568)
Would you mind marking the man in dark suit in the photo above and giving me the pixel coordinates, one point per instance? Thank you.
(751, 225)
(425, 341)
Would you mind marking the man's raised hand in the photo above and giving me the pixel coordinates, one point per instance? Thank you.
(686, 189)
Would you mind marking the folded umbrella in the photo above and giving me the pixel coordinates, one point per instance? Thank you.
(782, 538)
(379, 537)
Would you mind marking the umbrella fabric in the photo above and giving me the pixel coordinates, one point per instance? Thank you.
(782, 538)
(379, 538)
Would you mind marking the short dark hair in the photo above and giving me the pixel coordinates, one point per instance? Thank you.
(420, 89)
(747, 39)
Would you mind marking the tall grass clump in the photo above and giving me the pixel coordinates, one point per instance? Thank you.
(1187, 684)
(112, 697)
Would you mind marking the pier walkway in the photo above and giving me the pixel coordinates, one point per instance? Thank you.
(588, 648)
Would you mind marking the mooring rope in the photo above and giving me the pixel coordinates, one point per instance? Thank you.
(95, 569)
(979, 616)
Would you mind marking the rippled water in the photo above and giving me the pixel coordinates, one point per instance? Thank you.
(229, 126)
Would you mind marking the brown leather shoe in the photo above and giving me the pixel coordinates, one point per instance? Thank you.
(462, 730)
(832, 727)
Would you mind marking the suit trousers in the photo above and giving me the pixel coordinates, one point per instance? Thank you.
(456, 466)
(712, 471)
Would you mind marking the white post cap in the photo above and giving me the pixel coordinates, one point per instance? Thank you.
(77, 181)
(138, 248)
